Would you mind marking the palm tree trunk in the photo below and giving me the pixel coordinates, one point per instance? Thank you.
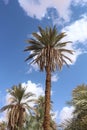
(47, 99)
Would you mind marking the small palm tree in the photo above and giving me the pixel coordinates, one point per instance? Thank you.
(49, 52)
(19, 103)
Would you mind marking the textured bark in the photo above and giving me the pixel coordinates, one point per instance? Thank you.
(47, 99)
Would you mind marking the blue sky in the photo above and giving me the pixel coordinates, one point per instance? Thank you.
(18, 19)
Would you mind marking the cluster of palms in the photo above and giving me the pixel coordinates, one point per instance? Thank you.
(79, 101)
(20, 114)
(50, 53)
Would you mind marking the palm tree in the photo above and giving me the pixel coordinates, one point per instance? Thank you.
(79, 101)
(35, 121)
(19, 103)
(49, 52)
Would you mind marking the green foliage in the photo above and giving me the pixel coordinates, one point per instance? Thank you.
(35, 121)
(79, 101)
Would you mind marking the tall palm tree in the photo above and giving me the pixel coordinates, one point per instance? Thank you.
(19, 103)
(49, 52)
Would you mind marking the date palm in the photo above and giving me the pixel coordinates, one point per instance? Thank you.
(49, 52)
(79, 101)
(75, 124)
(19, 103)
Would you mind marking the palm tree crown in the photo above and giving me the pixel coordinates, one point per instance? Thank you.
(47, 47)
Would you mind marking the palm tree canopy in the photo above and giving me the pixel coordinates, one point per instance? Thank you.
(79, 99)
(18, 96)
(46, 46)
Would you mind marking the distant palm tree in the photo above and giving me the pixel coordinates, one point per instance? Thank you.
(50, 53)
(39, 112)
(79, 101)
(39, 115)
(19, 103)
(35, 121)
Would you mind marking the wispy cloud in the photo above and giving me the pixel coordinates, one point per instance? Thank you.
(54, 78)
(33, 67)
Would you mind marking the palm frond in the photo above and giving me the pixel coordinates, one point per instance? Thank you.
(7, 107)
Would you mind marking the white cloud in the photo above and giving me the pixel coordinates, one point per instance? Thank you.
(54, 115)
(33, 67)
(54, 78)
(37, 89)
(77, 31)
(66, 113)
(38, 8)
